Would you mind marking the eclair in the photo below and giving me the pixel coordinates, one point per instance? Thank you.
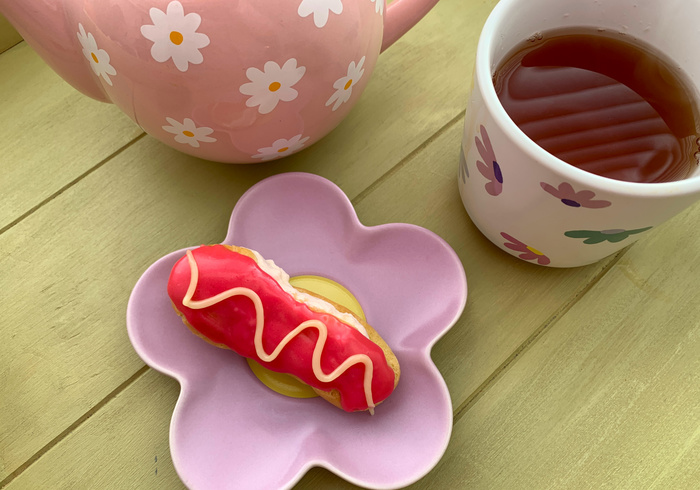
(233, 298)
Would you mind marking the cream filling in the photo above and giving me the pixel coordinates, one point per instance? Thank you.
(259, 325)
(282, 278)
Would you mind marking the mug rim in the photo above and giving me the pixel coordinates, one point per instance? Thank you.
(484, 76)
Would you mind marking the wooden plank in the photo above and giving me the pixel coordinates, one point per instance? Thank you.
(141, 451)
(8, 35)
(51, 134)
(608, 397)
(492, 328)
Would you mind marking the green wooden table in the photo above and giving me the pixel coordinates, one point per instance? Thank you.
(577, 378)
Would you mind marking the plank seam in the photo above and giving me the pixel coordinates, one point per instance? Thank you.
(501, 370)
(69, 185)
(7, 48)
(53, 442)
(405, 160)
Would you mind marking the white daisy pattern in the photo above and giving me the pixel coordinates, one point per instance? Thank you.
(281, 148)
(98, 58)
(320, 9)
(378, 6)
(187, 132)
(272, 85)
(343, 86)
(175, 36)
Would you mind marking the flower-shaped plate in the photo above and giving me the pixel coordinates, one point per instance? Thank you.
(228, 430)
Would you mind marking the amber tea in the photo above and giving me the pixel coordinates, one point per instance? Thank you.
(602, 103)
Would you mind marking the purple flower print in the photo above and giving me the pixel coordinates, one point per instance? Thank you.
(527, 253)
(582, 199)
(489, 168)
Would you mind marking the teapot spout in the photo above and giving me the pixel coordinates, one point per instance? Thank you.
(42, 23)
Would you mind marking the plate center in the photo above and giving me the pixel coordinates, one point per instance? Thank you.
(285, 384)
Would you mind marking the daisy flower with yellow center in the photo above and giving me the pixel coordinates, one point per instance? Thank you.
(187, 132)
(98, 58)
(343, 86)
(281, 148)
(272, 85)
(175, 36)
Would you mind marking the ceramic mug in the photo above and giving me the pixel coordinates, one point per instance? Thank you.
(527, 201)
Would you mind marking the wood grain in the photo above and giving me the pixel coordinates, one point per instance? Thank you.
(51, 134)
(608, 397)
(136, 457)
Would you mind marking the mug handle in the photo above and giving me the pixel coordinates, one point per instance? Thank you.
(400, 16)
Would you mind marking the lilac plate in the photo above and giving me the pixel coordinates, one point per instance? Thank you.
(230, 431)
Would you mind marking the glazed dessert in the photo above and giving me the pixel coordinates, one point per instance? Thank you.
(233, 298)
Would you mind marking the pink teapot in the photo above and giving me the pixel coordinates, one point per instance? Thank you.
(238, 81)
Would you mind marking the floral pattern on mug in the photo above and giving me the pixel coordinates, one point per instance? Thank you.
(281, 148)
(272, 85)
(379, 6)
(98, 58)
(489, 168)
(526, 252)
(612, 236)
(175, 36)
(567, 195)
(343, 86)
(187, 132)
(320, 9)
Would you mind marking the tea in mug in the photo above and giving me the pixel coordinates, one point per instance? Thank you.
(603, 103)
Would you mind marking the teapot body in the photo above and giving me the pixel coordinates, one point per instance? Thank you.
(238, 81)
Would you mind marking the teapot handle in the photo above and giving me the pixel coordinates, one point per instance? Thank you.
(401, 15)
